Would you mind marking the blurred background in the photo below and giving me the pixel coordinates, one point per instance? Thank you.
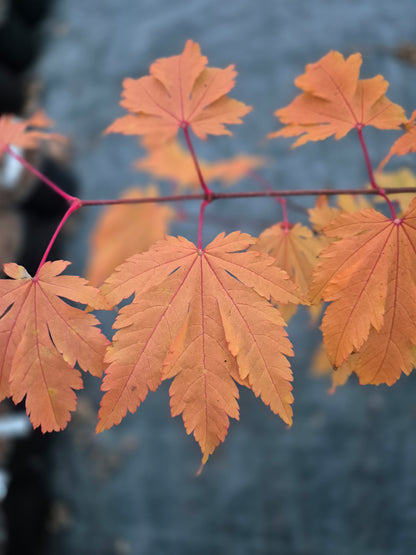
(342, 479)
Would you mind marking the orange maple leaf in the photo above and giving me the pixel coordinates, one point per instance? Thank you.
(41, 339)
(124, 230)
(231, 170)
(403, 177)
(368, 275)
(203, 318)
(295, 251)
(171, 161)
(26, 133)
(404, 144)
(181, 91)
(322, 213)
(322, 367)
(335, 100)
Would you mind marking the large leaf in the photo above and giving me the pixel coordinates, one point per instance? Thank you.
(203, 318)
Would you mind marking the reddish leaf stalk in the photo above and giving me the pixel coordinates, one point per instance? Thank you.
(250, 194)
(370, 171)
(204, 186)
(209, 196)
(40, 175)
(204, 204)
(281, 201)
(75, 205)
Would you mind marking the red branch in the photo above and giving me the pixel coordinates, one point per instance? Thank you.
(40, 175)
(209, 196)
(75, 205)
(379, 190)
(251, 194)
(204, 186)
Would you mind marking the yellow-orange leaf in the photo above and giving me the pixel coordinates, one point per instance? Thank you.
(25, 133)
(171, 161)
(202, 318)
(296, 251)
(124, 230)
(41, 339)
(403, 177)
(404, 144)
(322, 367)
(232, 170)
(335, 100)
(322, 213)
(179, 92)
(369, 275)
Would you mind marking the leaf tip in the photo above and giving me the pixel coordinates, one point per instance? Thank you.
(15, 271)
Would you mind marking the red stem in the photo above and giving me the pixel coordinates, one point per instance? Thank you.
(281, 201)
(204, 186)
(40, 175)
(370, 171)
(75, 205)
(204, 204)
(249, 194)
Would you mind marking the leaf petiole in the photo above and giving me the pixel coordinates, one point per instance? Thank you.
(370, 171)
(38, 174)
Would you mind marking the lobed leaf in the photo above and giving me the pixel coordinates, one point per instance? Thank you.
(369, 276)
(180, 91)
(204, 318)
(42, 338)
(295, 250)
(334, 101)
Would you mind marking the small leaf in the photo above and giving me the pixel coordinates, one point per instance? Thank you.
(334, 101)
(296, 251)
(404, 144)
(402, 178)
(170, 161)
(180, 91)
(42, 338)
(26, 133)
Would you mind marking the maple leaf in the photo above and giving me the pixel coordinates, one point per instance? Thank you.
(231, 170)
(368, 275)
(171, 161)
(202, 317)
(402, 177)
(322, 213)
(404, 144)
(41, 339)
(322, 367)
(124, 230)
(25, 133)
(296, 251)
(181, 91)
(335, 100)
